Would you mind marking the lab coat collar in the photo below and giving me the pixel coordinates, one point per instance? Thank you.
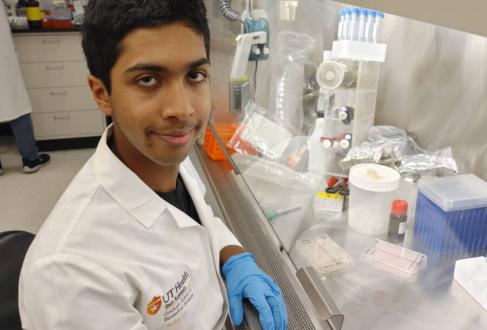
(129, 190)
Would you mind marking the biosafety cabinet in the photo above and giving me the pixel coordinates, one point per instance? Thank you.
(428, 100)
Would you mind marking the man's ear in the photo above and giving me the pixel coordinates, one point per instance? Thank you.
(100, 94)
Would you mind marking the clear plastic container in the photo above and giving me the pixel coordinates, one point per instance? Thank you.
(324, 254)
(371, 188)
(395, 259)
(286, 101)
(451, 215)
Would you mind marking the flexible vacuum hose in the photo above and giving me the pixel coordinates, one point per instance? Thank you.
(227, 10)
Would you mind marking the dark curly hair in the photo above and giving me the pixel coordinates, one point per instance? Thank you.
(107, 22)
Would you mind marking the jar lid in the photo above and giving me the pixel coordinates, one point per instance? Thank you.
(399, 207)
(374, 177)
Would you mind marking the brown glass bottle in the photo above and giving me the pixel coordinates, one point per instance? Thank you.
(398, 219)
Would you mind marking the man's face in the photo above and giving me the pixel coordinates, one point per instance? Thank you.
(160, 97)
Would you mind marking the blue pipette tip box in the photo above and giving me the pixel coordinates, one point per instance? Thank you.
(451, 215)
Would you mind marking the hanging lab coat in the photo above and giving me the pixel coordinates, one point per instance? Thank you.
(114, 255)
(14, 101)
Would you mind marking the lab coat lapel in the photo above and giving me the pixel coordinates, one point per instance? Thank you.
(195, 193)
(204, 211)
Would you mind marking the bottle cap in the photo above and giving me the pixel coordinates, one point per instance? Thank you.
(399, 207)
(327, 143)
(345, 144)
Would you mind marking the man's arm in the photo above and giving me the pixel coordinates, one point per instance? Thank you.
(229, 251)
(67, 291)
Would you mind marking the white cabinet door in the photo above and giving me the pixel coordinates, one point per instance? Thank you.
(68, 124)
(49, 47)
(54, 74)
(61, 99)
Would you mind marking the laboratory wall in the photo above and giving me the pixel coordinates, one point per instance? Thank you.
(433, 84)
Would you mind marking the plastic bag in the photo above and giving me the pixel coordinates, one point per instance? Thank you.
(385, 145)
(288, 79)
(258, 135)
(437, 163)
(392, 146)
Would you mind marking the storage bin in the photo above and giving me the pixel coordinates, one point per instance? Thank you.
(211, 146)
(371, 188)
(451, 215)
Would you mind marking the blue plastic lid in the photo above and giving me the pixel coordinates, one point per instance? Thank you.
(356, 11)
(455, 193)
(381, 14)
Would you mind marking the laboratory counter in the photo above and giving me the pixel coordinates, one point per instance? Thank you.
(74, 29)
(358, 294)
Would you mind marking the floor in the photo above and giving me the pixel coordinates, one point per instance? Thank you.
(27, 199)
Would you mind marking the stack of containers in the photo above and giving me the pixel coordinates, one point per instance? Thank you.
(451, 216)
(359, 25)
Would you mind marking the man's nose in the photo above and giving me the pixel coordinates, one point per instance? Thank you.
(176, 102)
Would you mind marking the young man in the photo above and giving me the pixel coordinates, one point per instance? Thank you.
(132, 244)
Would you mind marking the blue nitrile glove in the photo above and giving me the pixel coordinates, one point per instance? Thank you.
(245, 279)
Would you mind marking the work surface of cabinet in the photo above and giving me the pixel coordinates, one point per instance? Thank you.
(54, 71)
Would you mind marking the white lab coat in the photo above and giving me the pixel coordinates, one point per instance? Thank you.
(114, 255)
(14, 101)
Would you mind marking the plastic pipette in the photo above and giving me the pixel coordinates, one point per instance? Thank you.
(272, 214)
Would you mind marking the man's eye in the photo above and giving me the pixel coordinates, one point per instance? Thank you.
(197, 76)
(147, 81)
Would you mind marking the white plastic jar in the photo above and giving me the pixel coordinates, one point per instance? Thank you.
(371, 196)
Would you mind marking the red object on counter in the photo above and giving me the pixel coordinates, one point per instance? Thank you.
(399, 207)
(332, 181)
(57, 24)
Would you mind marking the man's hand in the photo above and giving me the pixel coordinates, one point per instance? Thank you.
(245, 279)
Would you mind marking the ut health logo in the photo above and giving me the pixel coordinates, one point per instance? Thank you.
(154, 305)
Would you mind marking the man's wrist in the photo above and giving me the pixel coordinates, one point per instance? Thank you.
(229, 251)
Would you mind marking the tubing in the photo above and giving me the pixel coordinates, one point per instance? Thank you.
(227, 10)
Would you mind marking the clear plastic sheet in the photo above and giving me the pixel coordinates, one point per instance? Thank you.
(275, 187)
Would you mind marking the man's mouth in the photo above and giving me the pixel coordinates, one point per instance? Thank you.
(178, 137)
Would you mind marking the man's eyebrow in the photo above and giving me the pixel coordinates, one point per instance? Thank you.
(197, 63)
(159, 68)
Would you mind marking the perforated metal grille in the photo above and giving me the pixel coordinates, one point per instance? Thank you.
(242, 218)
